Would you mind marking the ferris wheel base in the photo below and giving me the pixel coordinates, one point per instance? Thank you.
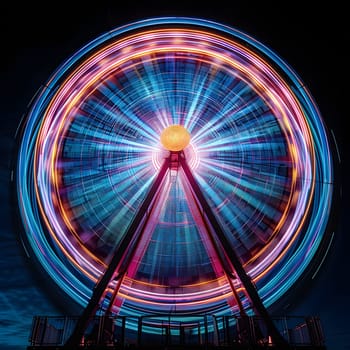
(171, 332)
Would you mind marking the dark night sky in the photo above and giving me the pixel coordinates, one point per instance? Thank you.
(36, 39)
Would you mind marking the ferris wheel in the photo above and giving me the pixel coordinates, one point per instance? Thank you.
(182, 159)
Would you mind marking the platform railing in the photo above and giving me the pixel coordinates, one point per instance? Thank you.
(122, 332)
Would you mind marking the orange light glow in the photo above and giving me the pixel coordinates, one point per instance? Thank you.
(175, 138)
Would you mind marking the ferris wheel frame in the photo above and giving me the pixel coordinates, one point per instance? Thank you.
(31, 203)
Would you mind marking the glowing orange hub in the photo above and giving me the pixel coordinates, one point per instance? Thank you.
(175, 138)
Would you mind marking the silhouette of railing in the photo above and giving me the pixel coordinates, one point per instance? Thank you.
(164, 331)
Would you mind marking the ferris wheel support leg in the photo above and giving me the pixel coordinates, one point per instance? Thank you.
(119, 261)
(232, 256)
(201, 221)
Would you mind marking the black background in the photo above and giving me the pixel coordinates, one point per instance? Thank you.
(36, 38)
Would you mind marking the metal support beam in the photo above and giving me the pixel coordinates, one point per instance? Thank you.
(201, 221)
(124, 252)
(119, 261)
(231, 254)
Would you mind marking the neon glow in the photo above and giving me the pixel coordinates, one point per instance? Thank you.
(91, 148)
(175, 138)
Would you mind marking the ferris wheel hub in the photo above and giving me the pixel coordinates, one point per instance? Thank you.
(175, 138)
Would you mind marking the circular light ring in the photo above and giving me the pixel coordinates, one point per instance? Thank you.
(91, 149)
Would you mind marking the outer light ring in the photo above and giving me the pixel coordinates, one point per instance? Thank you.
(48, 120)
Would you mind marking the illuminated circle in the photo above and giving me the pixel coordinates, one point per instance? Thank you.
(91, 148)
(175, 138)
